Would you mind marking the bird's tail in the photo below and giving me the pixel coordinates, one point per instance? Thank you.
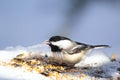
(100, 46)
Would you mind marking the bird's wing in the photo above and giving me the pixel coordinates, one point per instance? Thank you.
(77, 49)
(82, 44)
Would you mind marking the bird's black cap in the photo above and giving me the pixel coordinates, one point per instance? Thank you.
(58, 38)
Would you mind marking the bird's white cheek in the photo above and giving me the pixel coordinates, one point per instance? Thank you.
(65, 44)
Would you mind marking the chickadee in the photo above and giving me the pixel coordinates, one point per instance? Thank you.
(69, 52)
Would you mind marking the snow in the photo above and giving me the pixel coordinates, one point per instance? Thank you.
(7, 73)
(7, 55)
(98, 60)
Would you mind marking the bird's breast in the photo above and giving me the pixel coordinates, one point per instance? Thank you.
(73, 58)
(64, 57)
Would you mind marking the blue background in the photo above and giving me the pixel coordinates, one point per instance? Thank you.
(30, 22)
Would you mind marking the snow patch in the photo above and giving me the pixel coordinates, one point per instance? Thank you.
(8, 73)
(99, 61)
(97, 58)
(7, 55)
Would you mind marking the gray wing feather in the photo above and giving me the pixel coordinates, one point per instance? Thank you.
(77, 49)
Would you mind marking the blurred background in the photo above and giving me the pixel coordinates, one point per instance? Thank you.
(30, 22)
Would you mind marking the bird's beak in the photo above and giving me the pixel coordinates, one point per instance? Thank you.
(46, 42)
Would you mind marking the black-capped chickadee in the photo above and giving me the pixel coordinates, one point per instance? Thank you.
(69, 52)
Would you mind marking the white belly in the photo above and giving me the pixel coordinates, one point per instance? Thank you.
(70, 58)
(73, 58)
